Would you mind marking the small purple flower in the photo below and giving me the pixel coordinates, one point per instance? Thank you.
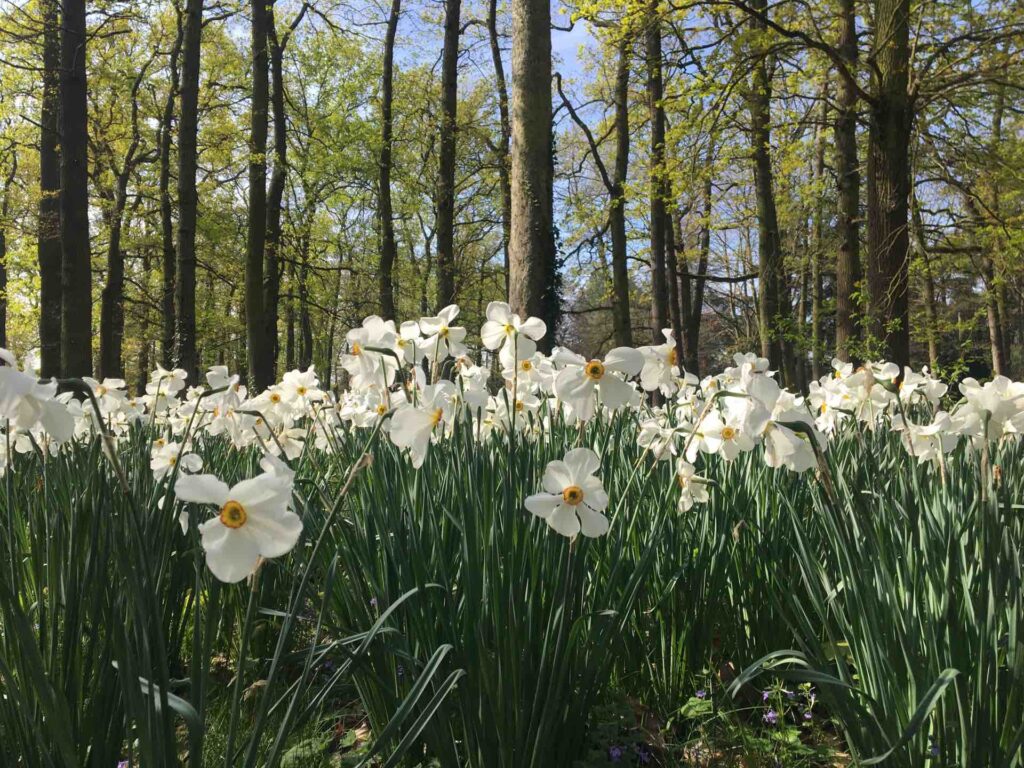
(701, 694)
(765, 695)
(122, 764)
(771, 717)
(790, 695)
(373, 602)
(808, 715)
(644, 754)
(615, 753)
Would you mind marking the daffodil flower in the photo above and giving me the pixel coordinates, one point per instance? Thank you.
(515, 337)
(574, 498)
(253, 521)
(578, 382)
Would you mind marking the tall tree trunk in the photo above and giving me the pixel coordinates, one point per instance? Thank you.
(49, 246)
(659, 218)
(272, 255)
(818, 248)
(505, 137)
(144, 367)
(289, 313)
(931, 318)
(388, 246)
(672, 278)
(5, 210)
(691, 329)
(998, 287)
(188, 203)
(533, 283)
(446, 156)
(169, 253)
(260, 349)
(76, 272)
(772, 306)
(889, 181)
(622, 322)
(305, 325)
(848, 271)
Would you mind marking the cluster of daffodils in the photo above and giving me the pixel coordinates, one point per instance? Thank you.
(417, 381)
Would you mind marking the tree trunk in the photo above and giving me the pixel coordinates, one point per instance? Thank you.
(889, 181)
(272, 254)
(533, 283)
(170, 256)
(76, 272)
(388, 246)
(49, 246)
(848, 272)
(659, 289)
(112, 299)
(5, 210)
(817, 251)
(622, 322)
(694, 316)
(769, 249)
(504, 138)
(188, 132)
(446, 156)
(259, 348)
(672, 278)
(305, 325)
(931, 329)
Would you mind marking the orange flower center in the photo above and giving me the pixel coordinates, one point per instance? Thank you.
(728, 433)
(572, 495)
(233, 515)
(594, 370)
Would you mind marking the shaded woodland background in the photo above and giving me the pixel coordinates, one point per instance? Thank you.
(194, 183)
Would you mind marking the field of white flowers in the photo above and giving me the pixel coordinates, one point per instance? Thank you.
(482, 556)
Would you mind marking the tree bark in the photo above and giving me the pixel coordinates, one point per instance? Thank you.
(388, 246)
(272, 252)
(659, 289)
(888, 185)
(772, 308)
(5, 211)
(505, 136)
(76, 272)
(446, 156)
(818, 249)
(848, 271)
(533, 280)
(259, 348)
(169, 252)
(188, 203)
(931, 319)
(691, 328)
(49, 244)
(305, 325)
(622, 322)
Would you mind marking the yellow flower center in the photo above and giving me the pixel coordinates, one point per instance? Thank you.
(172, 460)
(436, 417)
(356, 348)
(526, 365)
(572, 495)
(301, 390)
(101, 391)
(673, 356)
(159, 442)
(275, 398)
(233, 515)
(594, 370)
(382, 409)
(520, 405)
(728, 433)
(824, 407)
(443, 333)
(509, 329)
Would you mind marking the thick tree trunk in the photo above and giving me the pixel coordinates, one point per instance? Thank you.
(772, 306)
(188, 203)
(848, 271)
(388, 246)
(889, 181)
(259, 347)
(112, 299)
(691, 329)
(76, 272)
(672, 278)
(446, 156)
(5, 210)
(931, 315)
(49, 247)
(272, 254)
(659, 218)
(505, 137)
(169, 253)
(533, 283)
(305, 324)
(622, 322)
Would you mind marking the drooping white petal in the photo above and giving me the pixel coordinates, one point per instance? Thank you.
(201, 489)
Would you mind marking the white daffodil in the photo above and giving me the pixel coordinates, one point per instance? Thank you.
(659, 438)
(25, 402)
(999, 402)
(408, 343)
(443, 339)
(413, 426)
(162, 381)
(365, 365)
(516, 338)
(927, 442)
(301, 387)
(577, 383)
(254, 521)
(165, 457)
(660, 365)
(922, 387)
(692, 489)
(574, 498)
